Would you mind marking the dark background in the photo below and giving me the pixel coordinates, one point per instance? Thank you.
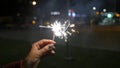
(91, 46)
(11, 7)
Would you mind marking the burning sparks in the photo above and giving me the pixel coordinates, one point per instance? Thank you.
(59, 30)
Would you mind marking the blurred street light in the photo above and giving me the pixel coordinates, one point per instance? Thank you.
(71, 13)
(109, 15)
(97, 13)
(34, 3)
(104, 10)
(94, 8)
(117, 15)
(33, 22)
(55, 13)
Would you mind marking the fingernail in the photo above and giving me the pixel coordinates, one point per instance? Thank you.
(51, 46)
(53, 52)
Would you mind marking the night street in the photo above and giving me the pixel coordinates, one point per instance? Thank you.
(91, 48)
(60, 34)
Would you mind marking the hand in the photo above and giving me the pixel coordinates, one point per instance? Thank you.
(39, 49)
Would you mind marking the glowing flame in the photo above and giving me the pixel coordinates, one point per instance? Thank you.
(59, 29)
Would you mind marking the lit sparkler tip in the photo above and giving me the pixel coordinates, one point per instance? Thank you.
(59, 30)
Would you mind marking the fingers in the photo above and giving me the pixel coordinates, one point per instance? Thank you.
(48, 49)
(52, 48)
(41, 43)
(44, 47)
(39, 50)
(52, 52)
(46, 41)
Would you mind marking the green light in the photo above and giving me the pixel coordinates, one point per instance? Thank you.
(109, 15)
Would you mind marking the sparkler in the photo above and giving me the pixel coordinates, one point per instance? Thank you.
(59, 30)
(62, 31)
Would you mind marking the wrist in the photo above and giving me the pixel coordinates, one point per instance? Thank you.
(28, 63)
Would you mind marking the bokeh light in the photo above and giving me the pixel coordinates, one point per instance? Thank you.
(34, 3)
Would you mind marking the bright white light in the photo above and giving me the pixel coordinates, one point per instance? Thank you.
(73, 14)
(104, 10)
(73, 30)
(69, 14)
(59, 29)
(94, 8)
(34, 3)
(56, 28)
(72, 25)
(109, 15)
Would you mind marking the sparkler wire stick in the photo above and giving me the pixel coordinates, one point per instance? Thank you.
(53, 38)
(45, 27)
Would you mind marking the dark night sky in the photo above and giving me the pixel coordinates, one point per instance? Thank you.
(11, 7)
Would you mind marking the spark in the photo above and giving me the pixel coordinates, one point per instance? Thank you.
(59, 30)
